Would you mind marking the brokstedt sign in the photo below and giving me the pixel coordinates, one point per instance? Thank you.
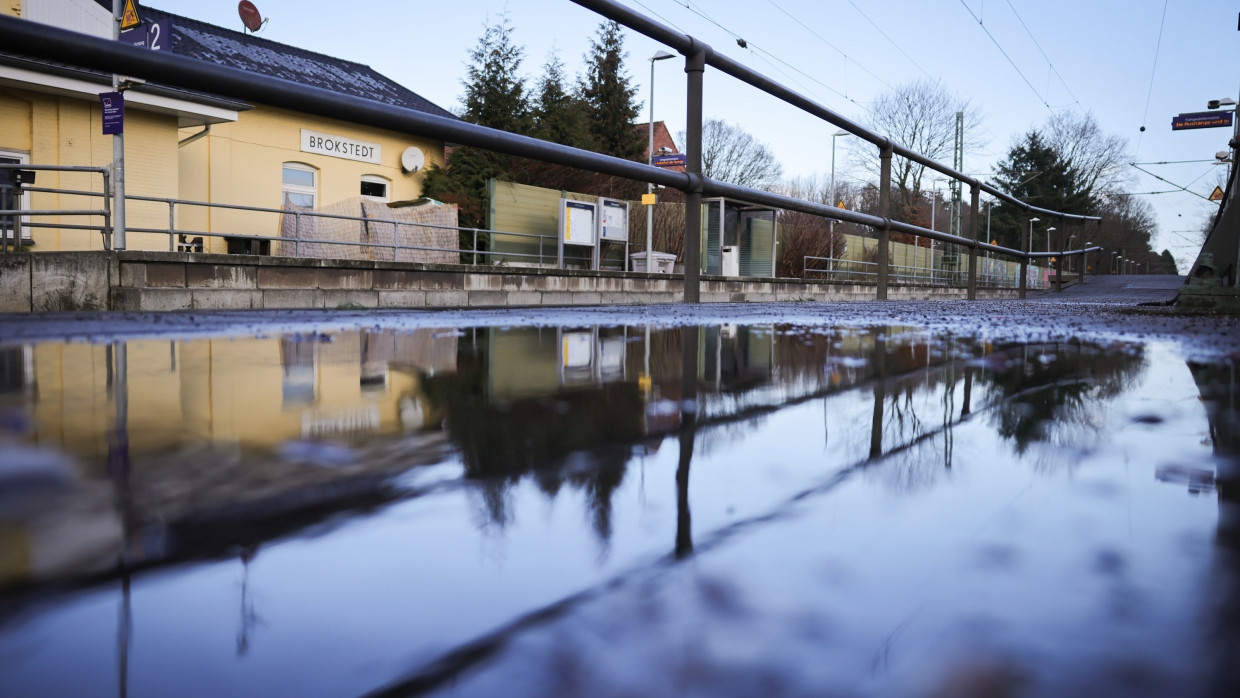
(340, 147)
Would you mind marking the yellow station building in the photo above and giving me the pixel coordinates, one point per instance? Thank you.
(195, 147)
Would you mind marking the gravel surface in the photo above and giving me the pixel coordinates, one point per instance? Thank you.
(1120, 308)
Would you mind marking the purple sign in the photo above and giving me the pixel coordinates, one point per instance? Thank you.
(113, 113)
(1201, 119)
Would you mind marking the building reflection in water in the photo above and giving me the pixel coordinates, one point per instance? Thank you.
(284, 431)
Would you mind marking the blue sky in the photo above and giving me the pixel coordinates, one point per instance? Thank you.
(1089, 55)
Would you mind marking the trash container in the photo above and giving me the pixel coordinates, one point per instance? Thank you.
(661, 262)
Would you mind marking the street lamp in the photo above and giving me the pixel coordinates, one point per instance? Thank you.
(1067, 246)
(1029, 247)
(1048, 237)
(834, 200)
(658, 56)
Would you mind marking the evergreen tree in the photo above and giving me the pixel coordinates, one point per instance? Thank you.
(1168, 263)
(1035, 173)
(608, 94)
(558, 115)
(494, 89)
(494, 97)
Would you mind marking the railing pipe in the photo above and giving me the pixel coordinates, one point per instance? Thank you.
(695, 68)
(975, 222)
(172, 224)
(884, 231)
(1027, 242)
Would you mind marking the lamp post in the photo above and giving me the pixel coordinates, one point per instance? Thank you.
(1048, 237)
(834, 200)
(1066, 246)
(658, 56)
(1029, 247)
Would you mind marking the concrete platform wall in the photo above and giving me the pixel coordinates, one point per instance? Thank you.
(138, 280)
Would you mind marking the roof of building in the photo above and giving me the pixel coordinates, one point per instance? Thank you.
(265, 57)
(234, 49)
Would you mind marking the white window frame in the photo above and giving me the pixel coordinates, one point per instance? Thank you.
(387, 188)
(23, 203)
(311, 191)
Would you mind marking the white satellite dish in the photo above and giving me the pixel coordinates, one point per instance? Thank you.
(412, 160)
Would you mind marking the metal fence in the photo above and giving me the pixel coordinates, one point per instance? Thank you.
(50, 43)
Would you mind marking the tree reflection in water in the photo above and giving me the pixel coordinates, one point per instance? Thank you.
(514, 408)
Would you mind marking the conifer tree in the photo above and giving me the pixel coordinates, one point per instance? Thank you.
(608, 94)
(494, 89)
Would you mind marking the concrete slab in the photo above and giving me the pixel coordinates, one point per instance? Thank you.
(303, 298)
(14, 283)
(63, 281)
(221, 276)
(226, 299)
(402, 299)
(345, 299)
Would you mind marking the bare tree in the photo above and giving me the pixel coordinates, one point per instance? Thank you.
(921, 116)
(1100, 160)
(732, 154)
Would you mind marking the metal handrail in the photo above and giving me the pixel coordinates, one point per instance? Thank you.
(16, 215)
(43, 41)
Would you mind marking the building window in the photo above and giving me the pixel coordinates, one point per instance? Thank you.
(299, 185)
(8, 201)
(374, 188)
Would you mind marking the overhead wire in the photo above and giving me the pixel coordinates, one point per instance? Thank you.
(744, 43)
(1005, 55)
(839, 50)
(889, 39)
(1162, 23)
(1063, 82)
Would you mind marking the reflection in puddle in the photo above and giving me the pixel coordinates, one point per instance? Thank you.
(474, 508)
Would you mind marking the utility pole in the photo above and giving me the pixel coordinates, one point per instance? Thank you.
(118, 146)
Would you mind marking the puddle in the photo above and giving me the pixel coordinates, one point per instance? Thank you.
(616, 510)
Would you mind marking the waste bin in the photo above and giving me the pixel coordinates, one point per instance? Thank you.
(661, 262)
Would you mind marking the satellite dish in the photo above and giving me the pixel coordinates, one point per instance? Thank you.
(250, 16)
(412, 160)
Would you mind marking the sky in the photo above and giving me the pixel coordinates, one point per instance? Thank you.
(1133, 63)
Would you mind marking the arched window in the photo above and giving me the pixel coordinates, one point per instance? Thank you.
(300, 184)
(374, 188)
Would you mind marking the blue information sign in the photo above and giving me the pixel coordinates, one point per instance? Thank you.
(1201, 119)
(669, 161)
(113, 104)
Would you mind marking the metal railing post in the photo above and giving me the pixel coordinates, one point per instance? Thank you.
(474, 257)
(1063, 239)
(107, 211)
(695, 67)
(884, 212)
(172, 225)
(975, 198)
(1025, 240)
(296, 233)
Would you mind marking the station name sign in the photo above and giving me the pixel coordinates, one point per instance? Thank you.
(1201, 119)
(669, 161)
(340, 147)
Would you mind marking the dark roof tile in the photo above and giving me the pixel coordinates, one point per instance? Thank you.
(235, 49)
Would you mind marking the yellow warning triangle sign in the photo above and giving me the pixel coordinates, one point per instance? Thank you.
(129, 16)
(840, 205)
(1217, 194)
